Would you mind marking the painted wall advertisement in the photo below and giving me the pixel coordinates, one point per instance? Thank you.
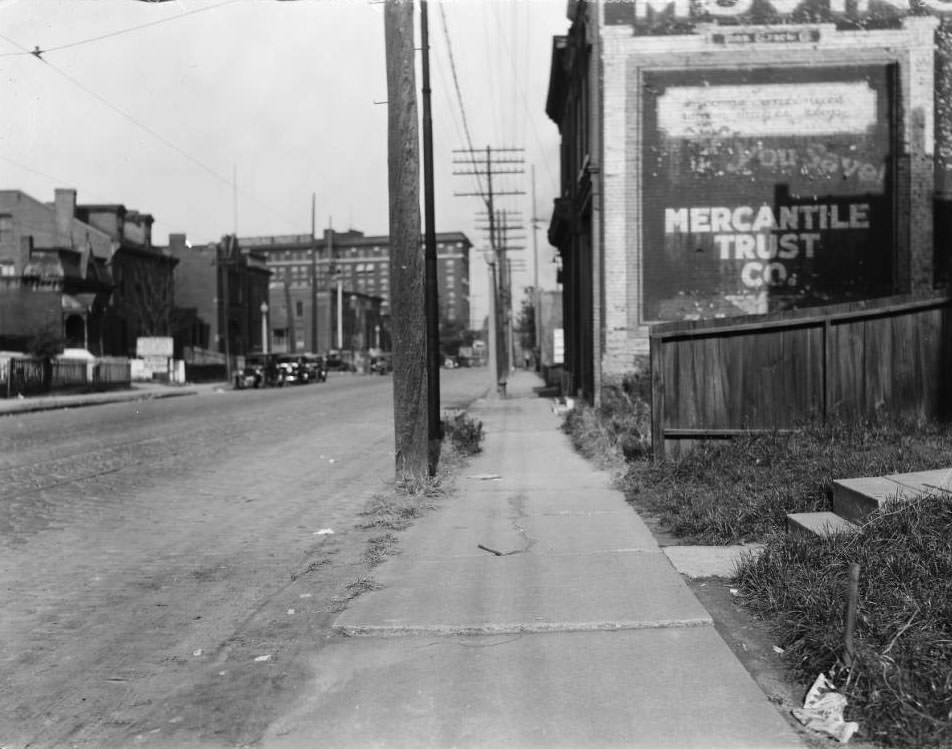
(682, 16)
(765, 189)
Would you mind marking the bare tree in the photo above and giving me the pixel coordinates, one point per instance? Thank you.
(147, 299)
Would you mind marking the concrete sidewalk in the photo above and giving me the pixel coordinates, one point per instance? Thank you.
(533, 608)
(138, 391)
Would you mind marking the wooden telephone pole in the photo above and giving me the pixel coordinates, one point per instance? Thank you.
(407, 261)
(498, 161)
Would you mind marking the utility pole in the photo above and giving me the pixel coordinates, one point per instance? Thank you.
(434, 423)
(492, 344)
(499, 161)
(224, 260)
(334, 273)
(407, 263)
(536, 291)
(313, 276)
(505, 228)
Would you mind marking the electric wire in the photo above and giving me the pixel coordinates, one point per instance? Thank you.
(145, 128)
(447, 98)
(496, 88)
(30, 169)
(522, 95)
(459, 97)
(112, 34)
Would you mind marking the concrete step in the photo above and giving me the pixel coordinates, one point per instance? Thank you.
(854, 499)
(822, 524)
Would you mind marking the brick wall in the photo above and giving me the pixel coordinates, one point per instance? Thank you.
(625, 59)
(196, 282)
(25, 311)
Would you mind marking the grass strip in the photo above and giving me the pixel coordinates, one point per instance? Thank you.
(900, 684)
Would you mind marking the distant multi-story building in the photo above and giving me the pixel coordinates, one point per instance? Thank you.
(361, 265)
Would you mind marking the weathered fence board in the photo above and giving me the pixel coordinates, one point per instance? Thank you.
(111, 372)
(27, 376)
(715, 378)
(69, 373)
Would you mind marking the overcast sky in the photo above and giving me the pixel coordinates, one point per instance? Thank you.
(164, 106)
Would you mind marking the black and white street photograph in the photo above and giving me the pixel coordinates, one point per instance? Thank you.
(475, 374)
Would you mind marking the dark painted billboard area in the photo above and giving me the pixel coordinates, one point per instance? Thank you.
(765, 189)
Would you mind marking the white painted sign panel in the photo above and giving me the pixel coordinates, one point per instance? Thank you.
(161, 346)
(765, 110)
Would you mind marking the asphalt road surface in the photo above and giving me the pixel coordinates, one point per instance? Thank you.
(163, 563)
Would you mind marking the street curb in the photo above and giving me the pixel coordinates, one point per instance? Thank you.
(513, 628)
(33, 407)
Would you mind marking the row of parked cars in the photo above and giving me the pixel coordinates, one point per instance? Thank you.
(278, 370)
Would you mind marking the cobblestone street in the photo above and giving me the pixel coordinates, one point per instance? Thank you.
(162, 561)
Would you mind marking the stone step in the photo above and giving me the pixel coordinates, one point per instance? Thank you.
(822, 524)
(854, 499)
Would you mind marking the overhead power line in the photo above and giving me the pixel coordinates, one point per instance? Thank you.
(459, 97)
(119, 32)
(24, 167)
(141, 125)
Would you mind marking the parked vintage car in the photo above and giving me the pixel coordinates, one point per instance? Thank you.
(293, 369)
(248, 376)
(260, 370)
(315, 367)
(340, 361)
(382, 364)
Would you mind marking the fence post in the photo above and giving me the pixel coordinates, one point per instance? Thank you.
(827, 379)
(656, 345)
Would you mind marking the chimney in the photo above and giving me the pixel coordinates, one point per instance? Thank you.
(26, 252)
(177, 245)
(65, 202)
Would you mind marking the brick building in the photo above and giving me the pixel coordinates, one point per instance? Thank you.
(362, 266)
(733, 159)
(115, 285)
(362, 323)
(204, 277)
(143, 297)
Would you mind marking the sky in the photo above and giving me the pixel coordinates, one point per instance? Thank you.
(222, 116)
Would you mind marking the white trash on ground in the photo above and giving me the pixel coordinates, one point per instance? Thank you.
(823, 711)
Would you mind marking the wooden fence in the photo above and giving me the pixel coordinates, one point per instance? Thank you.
(24, 375)
(111, 372)
(713, 379)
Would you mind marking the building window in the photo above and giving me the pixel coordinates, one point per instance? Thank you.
(7, 268)
(6, 228)
(299, 308)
